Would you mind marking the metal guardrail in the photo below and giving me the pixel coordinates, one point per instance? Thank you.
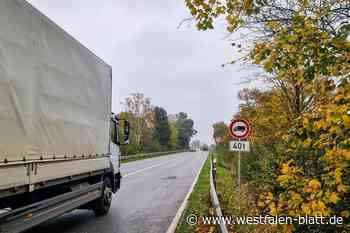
(151, 154)
(214, 197)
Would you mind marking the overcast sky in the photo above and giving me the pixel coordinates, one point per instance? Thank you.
(179, 69)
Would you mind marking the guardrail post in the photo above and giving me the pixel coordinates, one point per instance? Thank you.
(214, 197)
(214, 172)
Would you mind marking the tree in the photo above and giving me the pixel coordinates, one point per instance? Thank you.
(304, 48)
(268, 113)
(173, 135)
(185, 130)
(220, 131)
(296, 41)
(162, 130)
(262, 15)
(142, 110)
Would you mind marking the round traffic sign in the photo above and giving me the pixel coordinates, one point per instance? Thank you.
(239, 129)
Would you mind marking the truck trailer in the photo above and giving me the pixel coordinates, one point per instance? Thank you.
(59, 141)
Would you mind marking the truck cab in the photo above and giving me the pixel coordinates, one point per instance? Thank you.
(116, 142)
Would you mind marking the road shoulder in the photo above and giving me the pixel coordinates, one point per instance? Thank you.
(198, 202)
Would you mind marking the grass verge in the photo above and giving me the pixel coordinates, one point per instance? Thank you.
(198, 203)
(237, 203)
(142, 157)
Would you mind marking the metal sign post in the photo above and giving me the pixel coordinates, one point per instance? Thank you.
(239, 129)
(239, 180)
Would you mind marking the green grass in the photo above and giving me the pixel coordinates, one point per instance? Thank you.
(142, 157)
(138, 158)
(233, 204)
(199, 201)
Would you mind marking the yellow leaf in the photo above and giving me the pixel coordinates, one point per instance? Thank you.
(342, 188)
(285, 168)
(321, 207)
(346, 155)
(261, 204)
(272, 208)
(334, 198)
(338, 175)
(345, 213)
(268, 65)
(307, 142)
(273, 24)
(320, 124)
(346, 120)
(314, 184)
(306, 209)
(296, 196)
(338, 97)
(247, 4)
(269, 196)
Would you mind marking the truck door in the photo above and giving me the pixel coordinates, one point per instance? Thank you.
(115, 151)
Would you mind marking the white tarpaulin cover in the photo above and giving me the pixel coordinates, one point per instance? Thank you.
(55, 95)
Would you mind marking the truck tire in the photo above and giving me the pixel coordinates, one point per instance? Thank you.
(103, 204)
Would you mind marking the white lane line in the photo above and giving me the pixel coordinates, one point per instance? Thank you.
(180, 211)
(144, 169)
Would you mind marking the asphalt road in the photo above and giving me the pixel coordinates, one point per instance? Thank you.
(152, 191)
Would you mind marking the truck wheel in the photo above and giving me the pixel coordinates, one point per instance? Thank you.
(103, 204)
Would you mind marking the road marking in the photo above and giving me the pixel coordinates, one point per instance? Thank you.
(145, 169)
(175, 222)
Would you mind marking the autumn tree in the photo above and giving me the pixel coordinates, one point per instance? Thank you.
(142, 110)
(220, 130)
(268, 112)
(303, 47)
(173, 135)
(152, 129)
(329, 15)
(304, 37)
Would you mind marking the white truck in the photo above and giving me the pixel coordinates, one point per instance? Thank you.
(59, 141)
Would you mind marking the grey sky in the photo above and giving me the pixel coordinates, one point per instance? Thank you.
(179, 69)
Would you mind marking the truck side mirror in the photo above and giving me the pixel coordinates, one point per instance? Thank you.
(126, 132)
